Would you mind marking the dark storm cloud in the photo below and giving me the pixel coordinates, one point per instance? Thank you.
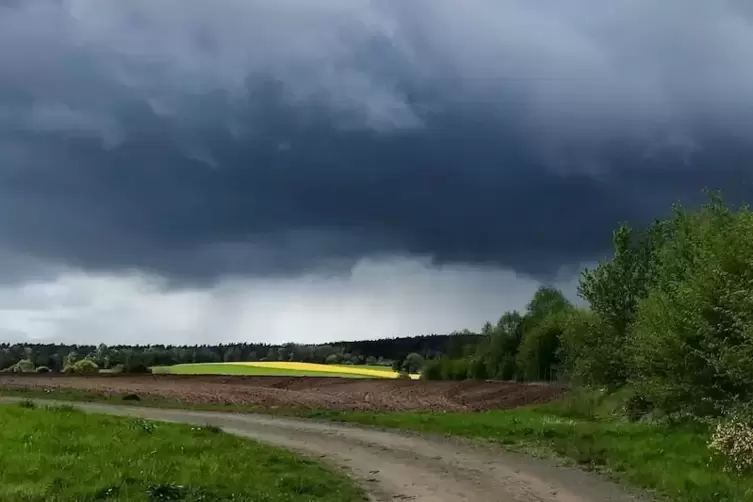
(197, 139)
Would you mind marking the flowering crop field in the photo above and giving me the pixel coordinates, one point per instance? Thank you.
(279, 368)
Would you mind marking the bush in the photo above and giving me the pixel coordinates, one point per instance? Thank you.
(691, 349)
(413, 363)
(454, 369)
(432, 370)
(138, 368)
(540, 347)
(23, 366)
(733, 440)
(82, 367)
(477, 368)
(592, 351)
(332, 359)
(637, 407)
(43, 369)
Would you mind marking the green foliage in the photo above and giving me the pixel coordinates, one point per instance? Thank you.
(692, 347)
(42, 369)
(477, 368)
(82, 367)
(539, 350)
(498, 354)
(412, 363)
(613, 290)
(333, 359)
(445, 369)
(432, 370)
(590, 351)
(454, 369)
(545, 302)
(23, 366)
(397, 364)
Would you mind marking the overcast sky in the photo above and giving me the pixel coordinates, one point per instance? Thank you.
(186, 171)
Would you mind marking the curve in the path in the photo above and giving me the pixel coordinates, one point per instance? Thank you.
(400, 467)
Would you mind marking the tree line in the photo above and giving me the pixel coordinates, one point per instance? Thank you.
(669, 315)
(401, 352)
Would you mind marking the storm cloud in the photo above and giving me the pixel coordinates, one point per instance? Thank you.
(199, 142)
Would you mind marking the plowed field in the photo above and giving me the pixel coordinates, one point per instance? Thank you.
(303, 392)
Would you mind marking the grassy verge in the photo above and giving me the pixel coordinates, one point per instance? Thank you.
(674, 461)
(60, 454)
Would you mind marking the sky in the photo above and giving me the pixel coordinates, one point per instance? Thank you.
(185, 171)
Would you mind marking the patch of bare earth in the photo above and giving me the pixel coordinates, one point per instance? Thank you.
(303, 392)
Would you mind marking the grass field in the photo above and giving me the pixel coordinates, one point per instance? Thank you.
(279, 369)
(60, 454)
(672, 460)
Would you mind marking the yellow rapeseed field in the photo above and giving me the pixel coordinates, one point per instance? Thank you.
(325, 368)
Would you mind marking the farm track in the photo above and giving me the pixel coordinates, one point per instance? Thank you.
(307, 392)
(400, 467)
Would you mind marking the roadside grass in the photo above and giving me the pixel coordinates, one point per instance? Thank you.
(673, 461)
(59, 454)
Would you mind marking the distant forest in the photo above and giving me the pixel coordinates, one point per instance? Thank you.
(138, 359)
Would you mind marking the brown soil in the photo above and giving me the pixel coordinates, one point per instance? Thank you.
(303, 392)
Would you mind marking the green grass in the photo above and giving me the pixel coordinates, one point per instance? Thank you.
(240, 369)
(674, 460)
(59, 454)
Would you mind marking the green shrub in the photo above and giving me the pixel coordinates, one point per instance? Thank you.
(446, 369)
(412, 363)
(540, 348)
(692, 348)
(733, 440)
(23, 366)
(477, 368)
(592, 352)
(82, 367)
(432, 370)
(454, 369)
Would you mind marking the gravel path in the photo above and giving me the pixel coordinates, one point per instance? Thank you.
(393, 466)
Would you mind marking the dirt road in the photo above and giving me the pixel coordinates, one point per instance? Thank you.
(393, 466)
